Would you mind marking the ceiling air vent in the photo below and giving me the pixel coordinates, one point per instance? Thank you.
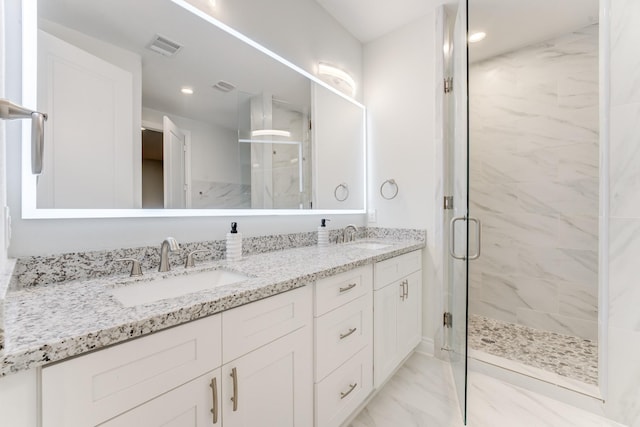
(164, 46)
(224, 86)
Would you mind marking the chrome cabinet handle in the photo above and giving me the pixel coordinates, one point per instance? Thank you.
(346, 334)
(478, 238)
(452, 237)
(214, 388)
(344, 394)
(348, 288)
(234, 398)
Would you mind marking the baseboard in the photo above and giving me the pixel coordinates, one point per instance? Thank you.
(426, 346)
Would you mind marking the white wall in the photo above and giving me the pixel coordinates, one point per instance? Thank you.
(399, 92)
(3, 176)
(621, 300)
(298, 29)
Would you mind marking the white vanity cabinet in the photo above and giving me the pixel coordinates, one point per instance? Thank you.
(307, 357)
(268, 361)
(397, 305)
(179, 377)
(96, 387)
(344, 344)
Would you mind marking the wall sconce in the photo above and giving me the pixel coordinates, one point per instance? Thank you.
(339, 78)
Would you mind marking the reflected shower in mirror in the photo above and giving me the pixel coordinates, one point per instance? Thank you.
(534, 183)
(151, 106)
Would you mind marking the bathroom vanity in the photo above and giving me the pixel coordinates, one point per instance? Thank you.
(297, 343)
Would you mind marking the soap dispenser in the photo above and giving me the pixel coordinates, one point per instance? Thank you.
(323, 233)
(234, 243)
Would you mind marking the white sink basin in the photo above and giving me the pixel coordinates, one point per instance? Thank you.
(370, 245)
(171, 287)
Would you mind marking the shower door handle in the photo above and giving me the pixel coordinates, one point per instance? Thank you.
(478, 238)
(452, 237)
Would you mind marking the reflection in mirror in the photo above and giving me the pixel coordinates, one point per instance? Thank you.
(151, 106)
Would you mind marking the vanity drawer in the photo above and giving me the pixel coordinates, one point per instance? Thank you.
(91, 389)
(393, 269)
(338, 395)
(253, 325)
(342, 333)
(334, 291)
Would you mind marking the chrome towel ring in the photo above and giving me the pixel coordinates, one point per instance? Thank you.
(393, 183)
(345, 191)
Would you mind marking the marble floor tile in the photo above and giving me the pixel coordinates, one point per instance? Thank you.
(421, 394)
(568, 356)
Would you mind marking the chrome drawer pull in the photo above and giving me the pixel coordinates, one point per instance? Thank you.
(214, 410)
(352, 330)
(234, 398)
(348, 392)
(348, 288)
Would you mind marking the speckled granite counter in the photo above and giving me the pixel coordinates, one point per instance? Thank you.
(52, 322)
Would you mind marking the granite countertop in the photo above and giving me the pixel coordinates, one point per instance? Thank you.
(49, 323)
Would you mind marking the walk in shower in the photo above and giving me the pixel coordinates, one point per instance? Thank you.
(521, 155)
(534, 184)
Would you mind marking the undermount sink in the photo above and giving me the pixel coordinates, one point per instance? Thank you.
(370, 245)
(172, 287)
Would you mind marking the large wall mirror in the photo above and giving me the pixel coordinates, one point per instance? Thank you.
(158, 109)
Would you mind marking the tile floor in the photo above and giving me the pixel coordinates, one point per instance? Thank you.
(421, 394)
(577, 359)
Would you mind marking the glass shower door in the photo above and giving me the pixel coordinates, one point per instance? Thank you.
(456, 214)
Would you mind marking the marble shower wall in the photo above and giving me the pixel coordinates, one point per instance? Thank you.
(534, 181)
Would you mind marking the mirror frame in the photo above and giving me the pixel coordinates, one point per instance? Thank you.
(29, 98)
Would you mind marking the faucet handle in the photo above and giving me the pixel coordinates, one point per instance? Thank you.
(136, 269)
(189, 262)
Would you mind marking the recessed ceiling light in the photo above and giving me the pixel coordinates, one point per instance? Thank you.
(187, 91)
(476, 37)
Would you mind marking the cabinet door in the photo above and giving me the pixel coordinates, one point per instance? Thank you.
(385, 335)
(95, 387)
(410, 315)
(194, 404)
(271, 386)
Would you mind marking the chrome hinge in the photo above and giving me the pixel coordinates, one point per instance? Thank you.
(448, 202)
(448, 84)
(447, 320)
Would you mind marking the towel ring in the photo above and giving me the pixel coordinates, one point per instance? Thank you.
(390, 182)
(345, 188)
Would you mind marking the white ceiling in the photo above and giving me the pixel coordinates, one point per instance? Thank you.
(509, 24)
(367, 20)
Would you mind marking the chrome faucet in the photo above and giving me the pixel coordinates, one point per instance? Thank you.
(348, 237)
(168, 245)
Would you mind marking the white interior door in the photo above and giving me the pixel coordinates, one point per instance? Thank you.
(89, 154)
(175, 166)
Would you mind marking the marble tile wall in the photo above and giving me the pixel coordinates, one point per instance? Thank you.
(623, 349)
(220, 195)
(534, 177)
